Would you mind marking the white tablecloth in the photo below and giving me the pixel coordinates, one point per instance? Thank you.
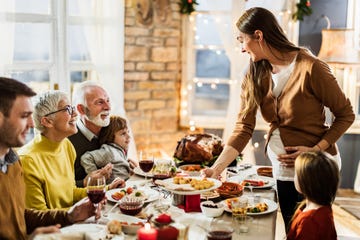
(262, 227)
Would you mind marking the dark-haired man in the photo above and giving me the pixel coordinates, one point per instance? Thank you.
(15, 121)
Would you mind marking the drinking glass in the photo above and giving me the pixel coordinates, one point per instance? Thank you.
(219, 230)
(146, 163)
(239, 214)
(96, 188)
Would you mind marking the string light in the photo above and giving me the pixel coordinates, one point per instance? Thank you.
(192, 125)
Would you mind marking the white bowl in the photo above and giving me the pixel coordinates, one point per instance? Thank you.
(193, 170)
(215, 211)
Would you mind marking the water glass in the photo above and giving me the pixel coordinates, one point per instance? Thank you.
(239, 215)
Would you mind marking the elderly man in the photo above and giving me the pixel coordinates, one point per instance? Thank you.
(15, 220)
(93, 105)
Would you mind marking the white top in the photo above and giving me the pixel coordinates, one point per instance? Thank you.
(275, 145)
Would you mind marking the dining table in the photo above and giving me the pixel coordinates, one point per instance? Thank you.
(260, 226)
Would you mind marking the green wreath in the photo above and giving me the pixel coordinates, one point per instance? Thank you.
(187, 6)
(303, 9)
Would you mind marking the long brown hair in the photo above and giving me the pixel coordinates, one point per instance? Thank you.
(261, 19)
(107, 134)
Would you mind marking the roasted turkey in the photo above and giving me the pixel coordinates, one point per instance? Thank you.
(198, 148)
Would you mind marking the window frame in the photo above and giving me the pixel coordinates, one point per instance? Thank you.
(59, 65)
(351, 74)
(188, 82)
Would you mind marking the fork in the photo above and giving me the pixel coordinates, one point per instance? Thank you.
(105, 214)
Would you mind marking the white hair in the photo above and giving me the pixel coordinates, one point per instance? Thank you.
(78, 96)
(46, 103)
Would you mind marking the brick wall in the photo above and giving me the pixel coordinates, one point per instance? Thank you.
(153, 73)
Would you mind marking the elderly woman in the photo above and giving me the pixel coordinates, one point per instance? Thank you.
(48, 160)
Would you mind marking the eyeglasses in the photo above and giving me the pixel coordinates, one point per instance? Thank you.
(68, 108)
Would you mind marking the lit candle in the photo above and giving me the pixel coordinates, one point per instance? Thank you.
(147, 233)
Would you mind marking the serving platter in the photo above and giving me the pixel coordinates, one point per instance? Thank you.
(272, 206)
(269, 182)
(186, 189)
(151, 194)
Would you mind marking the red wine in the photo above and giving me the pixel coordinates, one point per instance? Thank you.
(96, 196)
(219, 235)
(146, 165)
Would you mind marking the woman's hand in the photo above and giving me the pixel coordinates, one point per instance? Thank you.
(288, 159)
(105, 171)
(117, 183)
(84, 209)
(207, 172)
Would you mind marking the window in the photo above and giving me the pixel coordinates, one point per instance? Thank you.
(54, 44)
(214, 65)
(349, 76)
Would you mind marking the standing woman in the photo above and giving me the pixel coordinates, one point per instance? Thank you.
(291, 87)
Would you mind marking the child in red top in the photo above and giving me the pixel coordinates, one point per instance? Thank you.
(317, 178)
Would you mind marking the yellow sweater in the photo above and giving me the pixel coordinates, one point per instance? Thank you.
(49, 174)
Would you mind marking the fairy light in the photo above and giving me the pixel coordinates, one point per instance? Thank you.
(256, 145)
(213, 86)
(184, 104)
(192, 125)
(199, 84)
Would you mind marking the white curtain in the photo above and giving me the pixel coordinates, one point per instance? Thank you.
(106, 48)
(7, 29)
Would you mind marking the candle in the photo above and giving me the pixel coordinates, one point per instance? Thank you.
(147, 233)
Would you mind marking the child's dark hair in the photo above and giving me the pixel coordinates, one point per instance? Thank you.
(107, 134)
(318, 177)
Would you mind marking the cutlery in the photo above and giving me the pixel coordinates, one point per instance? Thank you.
(111, 209)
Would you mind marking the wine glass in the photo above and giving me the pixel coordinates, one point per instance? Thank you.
(146, 163)
(96, 188)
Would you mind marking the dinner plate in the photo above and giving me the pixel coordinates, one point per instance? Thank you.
(88, 228)
(138, 171)
(272, 206)
(269, 181)
(127, 228)
(170, 183)
(151, 194)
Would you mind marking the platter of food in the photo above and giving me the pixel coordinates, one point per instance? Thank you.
(129, 224)
(192, 169)
(189, 185)
(230, 189)
(253, 181)
(264, 206)
(148, 194)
